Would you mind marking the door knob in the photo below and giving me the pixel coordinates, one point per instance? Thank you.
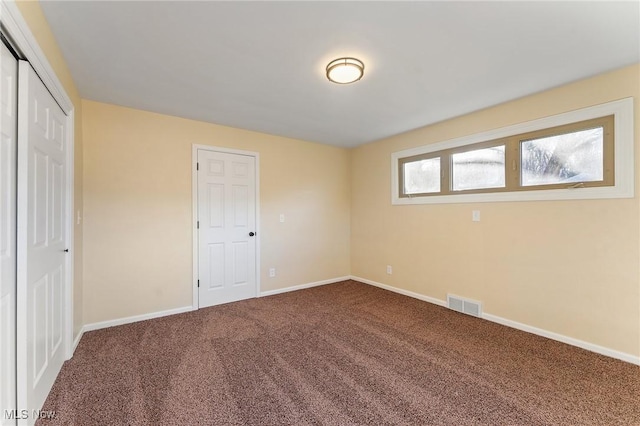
(251, 234)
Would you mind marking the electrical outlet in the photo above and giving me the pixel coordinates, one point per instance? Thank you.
(389, 270)
(272, 272)
(475, 215)
(281, 217)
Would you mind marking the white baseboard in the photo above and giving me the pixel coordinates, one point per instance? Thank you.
(77, 340)
(136, 318)
(633, 359)
(564, 339)
(152, 315)
(303, 286)
(514, 324)
(401, 291)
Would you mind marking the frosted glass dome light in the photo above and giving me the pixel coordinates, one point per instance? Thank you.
(345, 70)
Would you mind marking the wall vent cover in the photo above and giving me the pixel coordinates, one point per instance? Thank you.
(464, 305)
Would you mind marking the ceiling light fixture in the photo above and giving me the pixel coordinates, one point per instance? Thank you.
(345, 70)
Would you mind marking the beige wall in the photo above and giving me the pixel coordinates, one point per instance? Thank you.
(33, 16)
(138, 206)
(570, 267)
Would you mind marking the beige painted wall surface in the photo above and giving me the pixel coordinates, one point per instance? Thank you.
(33, 16)
(138, 207)
(570, 267)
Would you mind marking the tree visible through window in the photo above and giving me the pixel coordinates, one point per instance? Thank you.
(568, 158)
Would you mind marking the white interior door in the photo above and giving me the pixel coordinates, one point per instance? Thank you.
(42, 239)
(226, 227)
(8, 170)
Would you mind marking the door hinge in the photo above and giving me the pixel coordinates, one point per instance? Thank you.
(197, 166)
(198, 283)
(198, 225)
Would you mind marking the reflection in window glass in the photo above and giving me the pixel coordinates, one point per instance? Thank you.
(422, 177)
(572, 157)
(478, 169)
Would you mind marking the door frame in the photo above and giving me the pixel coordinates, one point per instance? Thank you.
(194, 193)
(22, 39)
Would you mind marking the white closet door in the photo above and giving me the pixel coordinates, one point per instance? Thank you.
(8, 146)
(42, 234)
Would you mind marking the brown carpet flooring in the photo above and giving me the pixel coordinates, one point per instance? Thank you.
(341, 354)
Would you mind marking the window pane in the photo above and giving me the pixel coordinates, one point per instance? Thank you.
(423, 176)
(481, 168)
(573, 157)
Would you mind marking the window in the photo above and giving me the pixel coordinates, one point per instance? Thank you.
(478, 168)
(576, 156)
(559, 157)
(422, 176)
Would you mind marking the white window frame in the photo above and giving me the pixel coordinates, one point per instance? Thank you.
(622, 110)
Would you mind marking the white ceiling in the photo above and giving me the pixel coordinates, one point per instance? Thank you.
(261, 65)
